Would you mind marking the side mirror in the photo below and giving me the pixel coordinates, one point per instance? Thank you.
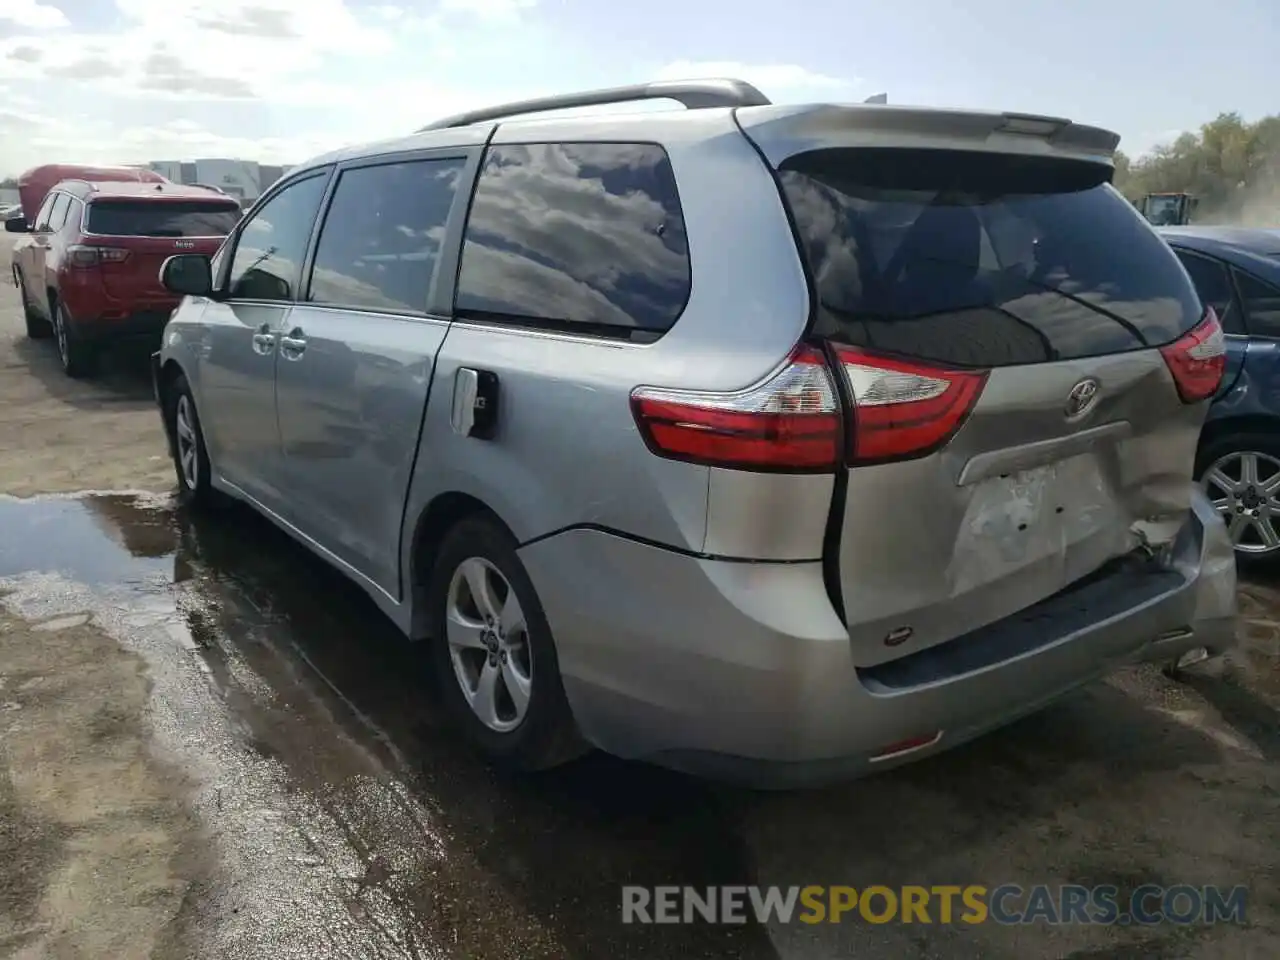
(16, 225)
(188, 275)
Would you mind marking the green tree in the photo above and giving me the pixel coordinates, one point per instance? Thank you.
(1232, 167)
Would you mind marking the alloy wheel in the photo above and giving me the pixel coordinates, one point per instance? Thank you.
(489, 644)
(1245, 489)
(185, 436)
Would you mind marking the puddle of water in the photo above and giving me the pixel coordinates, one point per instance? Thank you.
(82, 540)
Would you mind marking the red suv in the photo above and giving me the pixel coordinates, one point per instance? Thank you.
(88, 268)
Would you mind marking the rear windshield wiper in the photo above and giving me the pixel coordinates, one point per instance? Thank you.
(1128, 325)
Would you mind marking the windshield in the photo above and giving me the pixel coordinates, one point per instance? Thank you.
(1164, 211)
(982, 260)
(168, 218)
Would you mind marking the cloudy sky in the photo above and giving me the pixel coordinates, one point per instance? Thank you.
(279, 80)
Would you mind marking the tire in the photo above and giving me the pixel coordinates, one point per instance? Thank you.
(79, 357)
(186, 446)
(1219, 461)
(38, 328)
(544, 735)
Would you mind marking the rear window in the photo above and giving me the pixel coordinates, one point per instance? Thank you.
(981, 260)
(167, 218)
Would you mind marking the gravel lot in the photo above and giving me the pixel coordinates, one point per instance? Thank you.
(212, 747)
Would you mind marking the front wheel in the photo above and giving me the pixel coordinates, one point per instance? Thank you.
(38, 328)
(494, 654)
(1240, 474)
(190, 457)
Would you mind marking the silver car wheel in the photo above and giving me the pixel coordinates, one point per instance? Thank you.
(1245, 489)
(188, 450)
(489, 644)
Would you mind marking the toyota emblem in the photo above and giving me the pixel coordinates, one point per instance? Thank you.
(1081, 398)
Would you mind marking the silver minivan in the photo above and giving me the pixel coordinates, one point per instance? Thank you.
(769, 442)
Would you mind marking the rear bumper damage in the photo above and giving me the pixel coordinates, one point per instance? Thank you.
(742, 671)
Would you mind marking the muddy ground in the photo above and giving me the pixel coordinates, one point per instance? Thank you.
(211, 747)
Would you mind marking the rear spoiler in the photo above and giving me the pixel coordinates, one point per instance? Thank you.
(783, 131)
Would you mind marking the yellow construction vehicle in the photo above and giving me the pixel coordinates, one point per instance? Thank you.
(1168, 209)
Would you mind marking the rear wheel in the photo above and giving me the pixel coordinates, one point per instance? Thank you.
(494, 654)
(79, 357)
(1240, 473)
(38, 328)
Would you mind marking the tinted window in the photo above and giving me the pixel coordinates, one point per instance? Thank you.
(381, 237)
(1261, 305)
(162, 218)
(58, 212)
(1213, 284)
(271, 247)
(981, 259)
(576, 234)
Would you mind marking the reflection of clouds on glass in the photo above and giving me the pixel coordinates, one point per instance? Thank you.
(827, 229)
(1032, 287)
(382, 235)
(499, 278)
(272, 244)
(581, 232)
(367, 283)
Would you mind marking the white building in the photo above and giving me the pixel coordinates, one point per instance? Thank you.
(242, 179)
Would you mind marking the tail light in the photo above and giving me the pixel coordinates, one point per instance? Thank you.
(80, 255)
(902, 408)
(1198, 359)
(790, 422)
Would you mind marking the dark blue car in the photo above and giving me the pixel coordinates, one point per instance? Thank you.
(1237, 272)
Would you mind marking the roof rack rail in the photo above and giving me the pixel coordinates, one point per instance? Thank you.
(694, 94)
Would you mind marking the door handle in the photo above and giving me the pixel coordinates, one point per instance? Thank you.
(293, 344)
(264, 340)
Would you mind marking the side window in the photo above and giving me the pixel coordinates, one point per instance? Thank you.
(1213, 284)
(58, 215)
(42, 217)
(1261, 305)
(73, 214)
(586, 235)
(269, 252)
(381, 237)
(219, 259)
